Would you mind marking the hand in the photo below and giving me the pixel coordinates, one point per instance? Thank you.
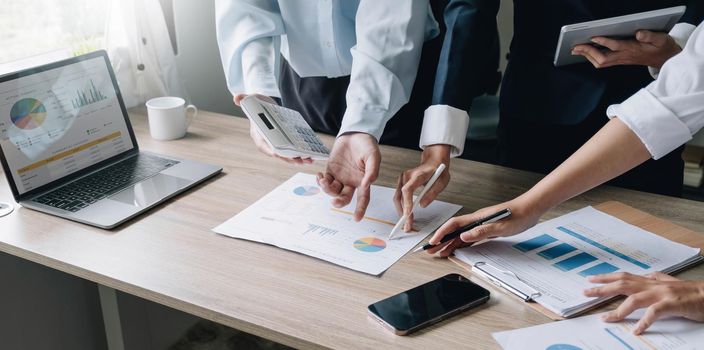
(412, 179)
(663, 295)
(648, 49)
(353, 165)
(259, 140)
(524, 215)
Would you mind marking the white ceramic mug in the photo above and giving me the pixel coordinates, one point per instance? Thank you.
(169, 117)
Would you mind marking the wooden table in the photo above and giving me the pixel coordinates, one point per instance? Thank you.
(171, 256)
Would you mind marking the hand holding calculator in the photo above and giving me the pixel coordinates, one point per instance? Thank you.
(284, 129)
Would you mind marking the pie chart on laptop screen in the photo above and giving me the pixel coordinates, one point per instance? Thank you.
(28, 113)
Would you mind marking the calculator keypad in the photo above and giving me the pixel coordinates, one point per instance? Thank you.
(296, 128)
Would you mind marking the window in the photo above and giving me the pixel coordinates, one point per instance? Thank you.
(36, 27)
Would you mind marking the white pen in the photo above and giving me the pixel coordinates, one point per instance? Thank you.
(402, 220)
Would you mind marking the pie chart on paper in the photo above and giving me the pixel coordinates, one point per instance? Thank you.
(563, 347)
(370, 244)
(28, 113)
(306, 190)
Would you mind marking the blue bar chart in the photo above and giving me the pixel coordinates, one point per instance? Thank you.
(603, 247)
(599, 269)
(535, 243)
(575, 261)
(572, 258)
(557, 251)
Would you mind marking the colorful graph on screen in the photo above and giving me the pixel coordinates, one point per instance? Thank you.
(370, 244)
(84, 98)
(28, 113)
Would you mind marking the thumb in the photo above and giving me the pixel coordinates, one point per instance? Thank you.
(452, 225)
(648, 37)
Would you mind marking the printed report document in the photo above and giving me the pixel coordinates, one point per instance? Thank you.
(298, 216)
(591, 333)
(554, 258)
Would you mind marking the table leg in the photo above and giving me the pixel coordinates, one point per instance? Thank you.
(111, 317)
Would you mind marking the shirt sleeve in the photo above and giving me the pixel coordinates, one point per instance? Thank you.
(249, 37)
(462, 74)
(680, 33)
(447, 125)
(666, 113)
(390, 36)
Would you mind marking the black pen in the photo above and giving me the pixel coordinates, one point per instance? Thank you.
(456, 233)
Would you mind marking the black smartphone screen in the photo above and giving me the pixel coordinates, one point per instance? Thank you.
(430, 301)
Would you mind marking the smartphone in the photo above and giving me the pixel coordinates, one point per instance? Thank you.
(429, 303)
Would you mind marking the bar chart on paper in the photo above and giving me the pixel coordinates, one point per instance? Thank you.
(298, 216)
(556, 257)
(554, 250)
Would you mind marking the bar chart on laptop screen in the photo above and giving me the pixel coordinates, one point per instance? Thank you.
(58, 121)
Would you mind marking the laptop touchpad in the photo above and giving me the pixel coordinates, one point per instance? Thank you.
(150, 191)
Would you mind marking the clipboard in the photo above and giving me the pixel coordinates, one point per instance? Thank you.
(512, 284)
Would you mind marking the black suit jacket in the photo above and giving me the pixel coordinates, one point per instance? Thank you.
(532, 88)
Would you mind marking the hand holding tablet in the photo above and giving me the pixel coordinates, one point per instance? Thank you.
(650, 49)
(612, 29)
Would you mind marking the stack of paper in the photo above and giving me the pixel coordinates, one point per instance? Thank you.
(298, 216)
(555, 257)
(590, 333)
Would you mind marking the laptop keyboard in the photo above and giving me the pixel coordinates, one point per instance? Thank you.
(90, 189)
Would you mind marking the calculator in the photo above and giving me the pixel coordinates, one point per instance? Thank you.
(284, 129)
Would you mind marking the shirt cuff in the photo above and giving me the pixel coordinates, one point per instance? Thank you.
(660, 130)
(357, 118)
(447, 125)
(680, 33)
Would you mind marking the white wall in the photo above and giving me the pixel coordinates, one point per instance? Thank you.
(198, 57)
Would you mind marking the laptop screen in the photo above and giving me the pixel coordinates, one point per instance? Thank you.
(56, 122)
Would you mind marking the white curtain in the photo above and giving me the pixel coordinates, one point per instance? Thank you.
(138, 43)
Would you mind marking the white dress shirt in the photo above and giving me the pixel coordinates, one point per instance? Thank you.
(448, 125)
(680, 33)
(666, 113)
(377, 42)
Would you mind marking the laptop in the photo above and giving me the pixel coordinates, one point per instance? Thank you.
(68, 149)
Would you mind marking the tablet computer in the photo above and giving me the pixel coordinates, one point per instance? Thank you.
(621, 27)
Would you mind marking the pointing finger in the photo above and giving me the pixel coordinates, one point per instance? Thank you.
(363, 197)
(398, 196)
